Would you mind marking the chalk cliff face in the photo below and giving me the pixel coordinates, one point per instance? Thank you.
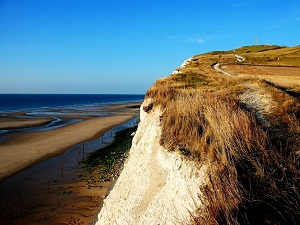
(156, 186)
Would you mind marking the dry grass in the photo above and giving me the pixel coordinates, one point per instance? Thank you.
(254, 170)
(267, 55)
(277, 57)
(286, 77)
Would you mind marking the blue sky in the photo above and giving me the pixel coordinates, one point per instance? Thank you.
(123, 46)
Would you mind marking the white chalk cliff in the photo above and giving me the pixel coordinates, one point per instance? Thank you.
(156, 186)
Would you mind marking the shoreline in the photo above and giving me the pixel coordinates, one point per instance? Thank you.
(58, 190)
(43, 145)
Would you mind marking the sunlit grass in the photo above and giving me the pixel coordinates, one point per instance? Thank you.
(253, 167)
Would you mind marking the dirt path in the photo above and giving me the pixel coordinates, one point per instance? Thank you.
(257, 100)
(217, 67)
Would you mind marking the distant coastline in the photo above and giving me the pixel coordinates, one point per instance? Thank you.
(28, 102)
(23, 113)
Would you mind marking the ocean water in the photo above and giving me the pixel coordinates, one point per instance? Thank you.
(57, 107)
(29, 102)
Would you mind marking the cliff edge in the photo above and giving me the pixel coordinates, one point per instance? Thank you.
(156, 186)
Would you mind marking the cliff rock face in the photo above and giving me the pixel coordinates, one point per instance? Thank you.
(156, 186)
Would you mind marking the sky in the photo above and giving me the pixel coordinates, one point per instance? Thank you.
(123, 46)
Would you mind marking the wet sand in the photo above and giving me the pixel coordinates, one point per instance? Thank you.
(54, 191)
(16, 123)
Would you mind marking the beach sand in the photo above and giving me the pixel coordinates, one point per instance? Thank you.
(60, 195)
(69, 203)
(16, 123)
(20, 151)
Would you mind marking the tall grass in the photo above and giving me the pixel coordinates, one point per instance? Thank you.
(253, 175)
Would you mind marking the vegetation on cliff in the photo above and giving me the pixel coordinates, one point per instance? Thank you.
(105, 164)
(246, 130)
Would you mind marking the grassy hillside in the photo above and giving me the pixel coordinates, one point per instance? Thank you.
(245, 130)
(247, 49)
(260, 55)
(277, 57)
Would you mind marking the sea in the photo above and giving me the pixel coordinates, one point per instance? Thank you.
(57, 107)
(37, 102)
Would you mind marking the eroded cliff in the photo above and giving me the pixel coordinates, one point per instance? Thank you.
(156, 186)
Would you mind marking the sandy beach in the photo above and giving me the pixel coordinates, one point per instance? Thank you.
(16, 123)
(53, 192)
(23, 150)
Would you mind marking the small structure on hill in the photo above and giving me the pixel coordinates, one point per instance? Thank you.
(239, 58)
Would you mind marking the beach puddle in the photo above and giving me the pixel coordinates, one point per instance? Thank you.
(54, 191)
